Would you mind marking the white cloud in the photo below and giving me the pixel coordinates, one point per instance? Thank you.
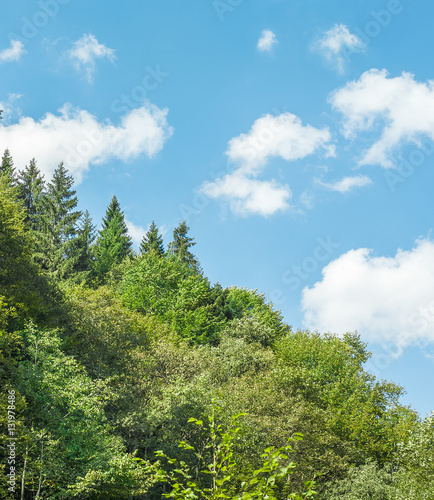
(249, 196)
(266, 41)
(383, 298)
(281, 136)
(337, 43)
(75, 137)
(403, 107)
(346, 184)
(136, 232)
(85, 52)
(13, 53)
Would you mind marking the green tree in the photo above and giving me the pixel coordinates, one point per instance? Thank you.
(31, 186)
(7, 167)
(216, 474)
(152, 242)
(181, 244)
(56, 245)
(174, 292)
(416, 457)
(113, 243)
(69, 445)
(86, 235)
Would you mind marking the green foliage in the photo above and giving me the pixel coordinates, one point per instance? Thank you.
(328, 371)
(113, 243)
(66, 435)
(31, 187)
(174, 292)
(152, 242)
(20, 279)
(58, 225)
(243, 303)
(83, 251)
(102, 332)
(181, 244)
(367, 482)
(416, 456)
(7, 168)
(217, 460)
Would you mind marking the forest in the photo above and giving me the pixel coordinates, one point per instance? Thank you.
(128, 375)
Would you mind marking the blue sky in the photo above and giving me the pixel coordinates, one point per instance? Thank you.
(296, 137)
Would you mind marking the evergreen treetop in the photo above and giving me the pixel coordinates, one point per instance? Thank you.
(31, 186)
(7, 167)
(152, 242)
(181, 244)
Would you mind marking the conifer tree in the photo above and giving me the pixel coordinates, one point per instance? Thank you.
(7, 167)
(31, 186)
(181, 244)
(59, 224)
(114, 243)
(86, 235)
(152, 242)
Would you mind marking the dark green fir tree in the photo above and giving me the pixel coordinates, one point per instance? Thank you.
(86, 235)
(113, 243)
(152, 242)
(181, 244)
(7, 167)
(58, 232)
(31, 186)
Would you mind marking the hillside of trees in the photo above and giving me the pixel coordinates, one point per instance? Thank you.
(128, 375)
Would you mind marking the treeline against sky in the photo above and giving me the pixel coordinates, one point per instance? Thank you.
(129, 375)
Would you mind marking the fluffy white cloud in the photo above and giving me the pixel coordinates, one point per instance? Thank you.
(85, 52)
(346, 184)
(13, 53)
(383, 298)
(249, 196)
(266, 41)
(136, 232)
(75, 137)
(281, 136)
(337, 42)
(403, 107)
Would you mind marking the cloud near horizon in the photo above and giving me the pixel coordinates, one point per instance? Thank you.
(386, 299)
(77, 138)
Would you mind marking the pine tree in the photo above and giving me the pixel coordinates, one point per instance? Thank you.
(86, 235)
(57, 248)
(152, 242)
(181, 244)
(31, 186)
(114, 243)
(7, 167)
